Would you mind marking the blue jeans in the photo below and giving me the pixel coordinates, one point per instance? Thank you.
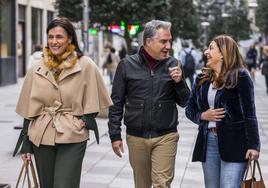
(217, 173)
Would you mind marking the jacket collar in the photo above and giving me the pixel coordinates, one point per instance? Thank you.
(67, 72)
(43, 71)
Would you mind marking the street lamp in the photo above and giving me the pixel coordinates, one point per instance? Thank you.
(209, 17)
(205, 25)
(252, 5)
(85, 26)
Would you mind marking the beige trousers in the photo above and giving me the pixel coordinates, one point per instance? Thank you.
(153, 160)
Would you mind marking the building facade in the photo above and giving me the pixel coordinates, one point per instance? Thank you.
(22, 26)
(7, 42)
(33, 18)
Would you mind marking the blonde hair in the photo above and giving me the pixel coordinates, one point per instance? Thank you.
(232, 62)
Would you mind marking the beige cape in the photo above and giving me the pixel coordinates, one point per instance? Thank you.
(53, 107)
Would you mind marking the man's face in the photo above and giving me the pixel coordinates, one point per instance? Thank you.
(158, 46)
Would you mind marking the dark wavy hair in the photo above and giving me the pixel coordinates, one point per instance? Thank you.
(69, 28)
(232, 62)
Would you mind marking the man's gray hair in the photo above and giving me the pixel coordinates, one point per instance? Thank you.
(151, 28)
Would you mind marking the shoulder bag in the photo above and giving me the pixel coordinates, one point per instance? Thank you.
(252, 182)
(29, 174)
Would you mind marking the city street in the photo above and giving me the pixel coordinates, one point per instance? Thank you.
(101, 167)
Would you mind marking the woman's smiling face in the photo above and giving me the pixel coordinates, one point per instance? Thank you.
(213, 54)
(58, 41)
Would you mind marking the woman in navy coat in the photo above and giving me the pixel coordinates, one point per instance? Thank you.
(222, 104)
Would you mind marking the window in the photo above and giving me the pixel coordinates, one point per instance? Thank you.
(5, 28)
(36, 26)
(49, 16)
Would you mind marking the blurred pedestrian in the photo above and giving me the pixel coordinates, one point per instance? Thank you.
(36, 55)
(111, 61)
(251, 60)
(56, 120)
(204, 58)
(123, 52)
(222, 104)
(264, 69)
(189, 61)
(146, 89)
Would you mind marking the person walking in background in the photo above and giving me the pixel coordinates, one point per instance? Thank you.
(204, 58)
(111, 61)
(264, 68)
(56, 120)
(123, 52)
(251, 60)
(36, 56)
(147, 87)
(189, 61)
(222, 104)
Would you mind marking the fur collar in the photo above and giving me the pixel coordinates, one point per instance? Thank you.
(55, 65)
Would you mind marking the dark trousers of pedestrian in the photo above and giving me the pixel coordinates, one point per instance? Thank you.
(59, 166)
(191, 78)
(266, 81)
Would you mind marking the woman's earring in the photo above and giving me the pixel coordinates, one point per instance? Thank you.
(69, 41)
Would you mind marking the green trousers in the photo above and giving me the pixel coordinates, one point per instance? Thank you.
(59, 166)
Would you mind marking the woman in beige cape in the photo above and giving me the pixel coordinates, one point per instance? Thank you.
(59, 100)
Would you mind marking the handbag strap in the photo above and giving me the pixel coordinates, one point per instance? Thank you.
(21, 173)
(252, 170)
(249, 166)
(26, 174)
(259, 168)
(34, 175)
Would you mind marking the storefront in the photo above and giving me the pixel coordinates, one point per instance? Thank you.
(7, 42)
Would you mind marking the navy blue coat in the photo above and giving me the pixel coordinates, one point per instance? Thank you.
(238, 130)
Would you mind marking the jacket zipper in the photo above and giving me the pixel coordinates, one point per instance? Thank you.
(152, 86)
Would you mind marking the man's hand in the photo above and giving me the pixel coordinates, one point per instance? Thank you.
(175, 73)
(118, 147)
(213, 114)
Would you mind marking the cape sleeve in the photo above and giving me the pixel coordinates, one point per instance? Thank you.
(23, 103)
(96, 96)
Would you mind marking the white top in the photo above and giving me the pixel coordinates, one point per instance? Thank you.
(211, 101)
(34, 58)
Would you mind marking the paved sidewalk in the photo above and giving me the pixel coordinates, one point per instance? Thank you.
(101, 168)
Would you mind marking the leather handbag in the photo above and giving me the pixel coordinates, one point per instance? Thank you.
(252, 182)
(28, 174)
